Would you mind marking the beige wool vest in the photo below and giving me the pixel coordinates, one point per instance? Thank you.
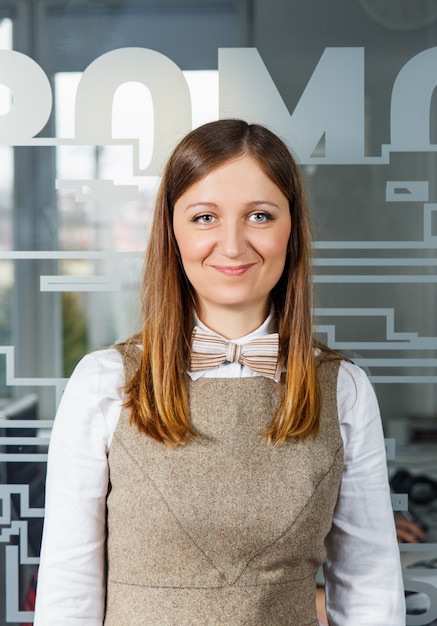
(226, 530)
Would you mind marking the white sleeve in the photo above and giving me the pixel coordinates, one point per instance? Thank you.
(71, 578)
(363, 571)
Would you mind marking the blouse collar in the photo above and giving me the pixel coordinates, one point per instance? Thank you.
(267, 327)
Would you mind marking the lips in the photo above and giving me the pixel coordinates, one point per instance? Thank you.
(233, 270)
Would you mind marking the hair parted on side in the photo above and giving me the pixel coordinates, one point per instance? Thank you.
(157, 395)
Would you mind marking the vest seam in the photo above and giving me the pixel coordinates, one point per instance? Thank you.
(260, 552)
(290, 526)
(226, 586)
(172, 513)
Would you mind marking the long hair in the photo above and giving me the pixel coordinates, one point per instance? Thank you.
(157, 394)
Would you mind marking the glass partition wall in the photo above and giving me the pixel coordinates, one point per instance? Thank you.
(94, 94)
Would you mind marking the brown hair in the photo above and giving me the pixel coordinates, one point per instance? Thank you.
(157, 395)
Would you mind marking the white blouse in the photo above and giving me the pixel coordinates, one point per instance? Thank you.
(362, 571)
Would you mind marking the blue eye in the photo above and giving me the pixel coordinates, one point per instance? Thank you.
(260, 218)
(204, 219)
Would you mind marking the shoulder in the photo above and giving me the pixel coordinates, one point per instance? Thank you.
(106, 364)
(351, 380)
(92, 400)
(357, 404)
(98, 375)
(358, 411)
(353, 385)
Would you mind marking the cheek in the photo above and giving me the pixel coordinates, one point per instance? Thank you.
(182, 244)
(192, 249)
(277, 247)
(182, 237)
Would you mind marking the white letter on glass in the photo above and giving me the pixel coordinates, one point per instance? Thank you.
(168, 87)
(330, 110)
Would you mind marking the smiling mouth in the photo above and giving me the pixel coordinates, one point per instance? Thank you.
(233, 270)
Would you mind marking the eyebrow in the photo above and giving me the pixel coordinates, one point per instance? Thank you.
(200, 204)
(254, 204)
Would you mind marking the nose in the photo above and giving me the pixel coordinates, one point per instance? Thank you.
(233, 242)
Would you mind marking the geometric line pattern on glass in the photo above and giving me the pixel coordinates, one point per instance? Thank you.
(376, 262)
(101, 190)
(418, 547)
(14, 381)
(424, 244)
(16, 555)
(399, 501)
(19, 529)
(393, 341)
(390, 449)
(37, 255)
(428, 241)
(25, 511)
(13, 613)
(407, 191)
(79, 283)
(401, 339)
(377, 279)
(23, 457)
(429, 212)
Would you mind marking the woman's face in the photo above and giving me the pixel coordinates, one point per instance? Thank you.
(232, 228)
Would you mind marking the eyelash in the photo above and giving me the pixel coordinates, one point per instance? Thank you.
(198, 219)
(268, 217)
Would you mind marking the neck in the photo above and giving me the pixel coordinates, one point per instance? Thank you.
(233, 324)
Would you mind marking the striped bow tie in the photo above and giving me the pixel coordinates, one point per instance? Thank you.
(260, 354)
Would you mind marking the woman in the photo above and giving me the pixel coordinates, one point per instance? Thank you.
(193, 480)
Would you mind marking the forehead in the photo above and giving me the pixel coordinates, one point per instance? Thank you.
(244, 174)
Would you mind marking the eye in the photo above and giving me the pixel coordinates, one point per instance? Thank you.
(260, 217)
(204, 219)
